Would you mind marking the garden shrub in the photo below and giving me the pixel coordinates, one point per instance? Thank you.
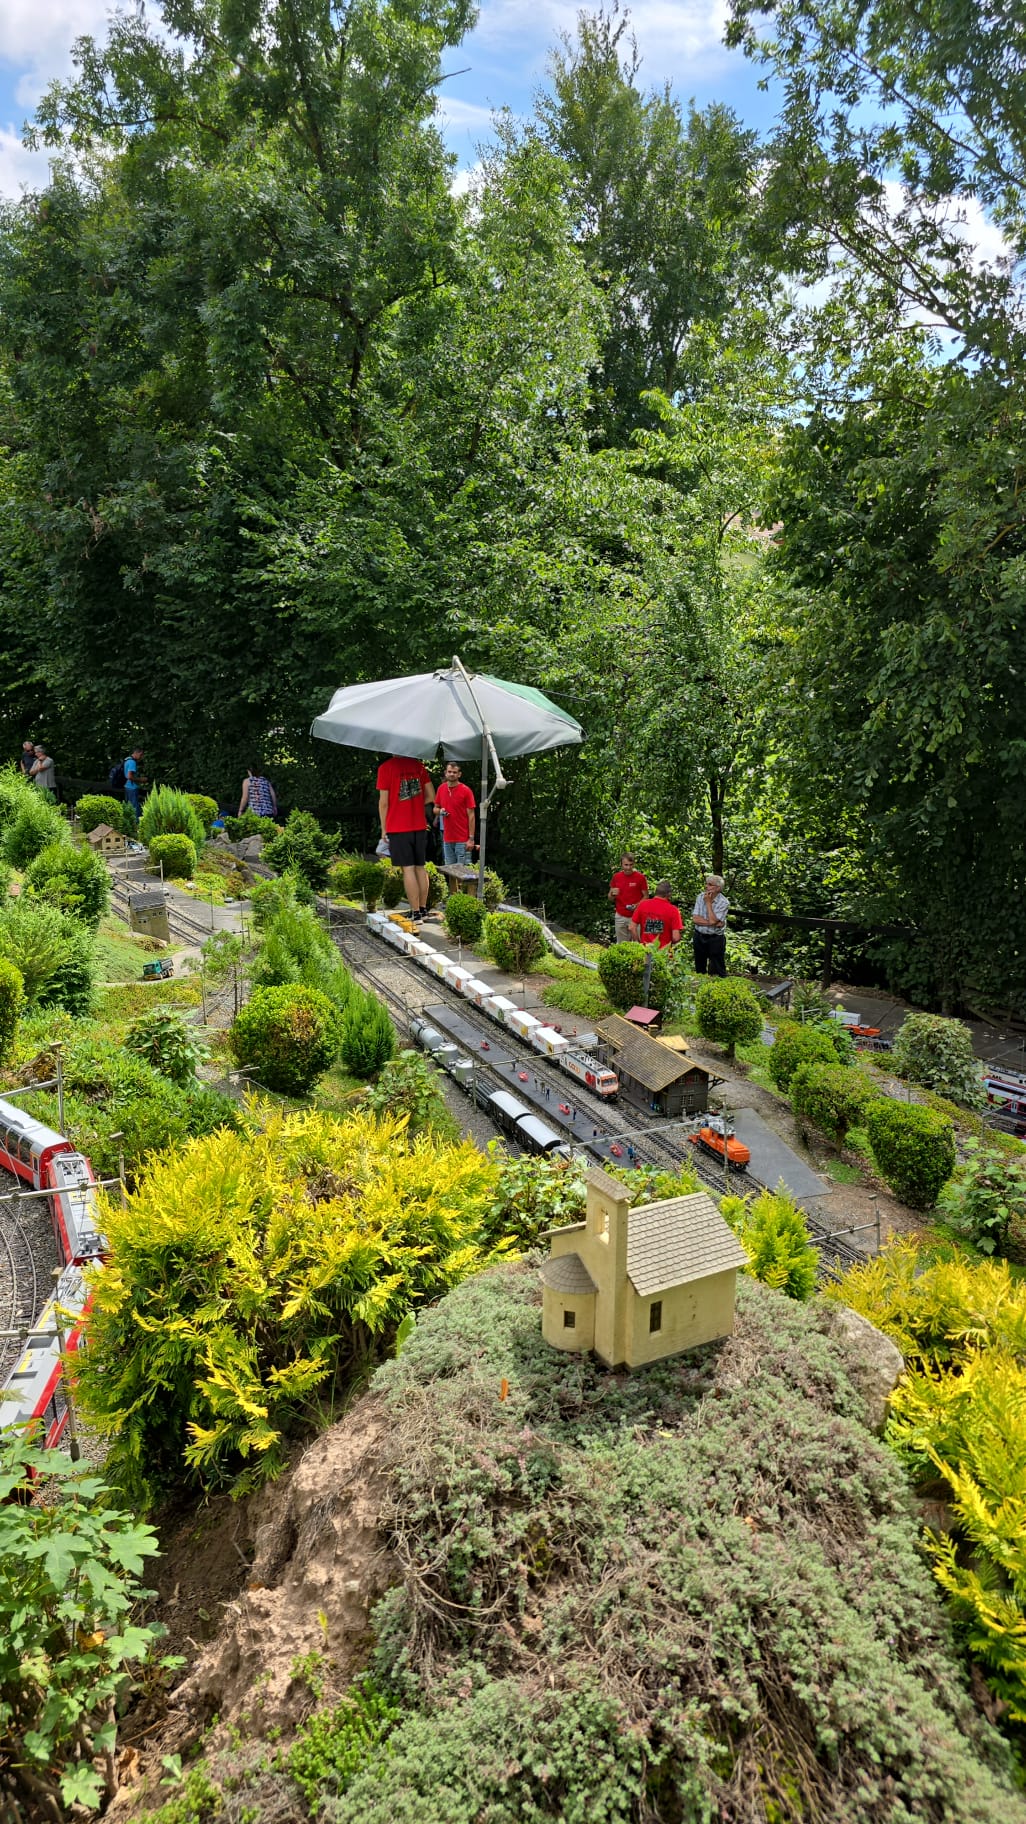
(392, 887)
(12, 1000)
(343, 875)
(250, 824)
(986, 1199)
(795, 1045)
(410, 1086)
(36, 939)
(164, 1039)
(205, 809)
(96, 808)
(727, 1012)
(514, 941)
(302, 848)
(109, 1090)
(270, 1264)
(938, 1054)
(168, 812)
(73, 879)
(465, 917)
(37, 825)
(494, 890)
(535, 1194)
(622, 974)
(333, 1745)
(69, 1631)
(368, 882)
(175, 853)
(832, 1097)
(268, 897)
(939, 1312)
(72, 984)
(914, 1149)
(367, 1034)
(774, 1234)
(438, 887)
(295, 947)
(285, 1038)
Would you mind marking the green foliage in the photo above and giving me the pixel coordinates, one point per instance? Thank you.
(268, 897)
(986, 1199)
(12, 1000)
(164, 1039)
(269, 1264)
(581, 995)
(295, 947)
(939, 1054)
(795, 1045)
(334, 1745)
(410, 1086)
(37, 825)
(168, 812)
(205, 809)
(494, 890)
(367, 1034)
(249, 824)
(74, 879)
(286, 1037)
(175, 854)
(36, 939)
(942, 1312)
(438, 887)
(514, 941)
(913, 1147)
(728, 1012)
(69, 1585)
(535, 1194)
(773, 1232)
(367, 881)
(832, 1097)
(72, 983)
(465, 917)
(622, 974)
(96, 808)
(392, 889)
(303, 848)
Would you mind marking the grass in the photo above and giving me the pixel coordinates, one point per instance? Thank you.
(120, 954)
(842, 1173)
(335, 1092)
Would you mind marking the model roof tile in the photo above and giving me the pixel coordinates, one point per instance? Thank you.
(643, 1058)
(568, 1274)
(676, 1241)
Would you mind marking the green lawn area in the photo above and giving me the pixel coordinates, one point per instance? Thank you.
(120, 954)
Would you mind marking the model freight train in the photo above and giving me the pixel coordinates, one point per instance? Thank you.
(572, 1053)
(46, 1161)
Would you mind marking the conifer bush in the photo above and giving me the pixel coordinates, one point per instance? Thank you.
(168, 812)
(621, 971)
(295, 947)
(409, 1085)
(175, 853)
(367, 1034)
(775, 1236)
(286, 1037)
(302, 848)
(12, 1000)
(38, 823)
(72, 983)
(832, 1097)
(795, 1045)
(36, 938)
(514, 941)
(727, 1012)
(73, 879)
(465, 917)
(913, 1147)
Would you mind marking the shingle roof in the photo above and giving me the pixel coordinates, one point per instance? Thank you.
(100, 831)
(678, 1240)
(567, 1273)
(146, 900)
(644, 1059)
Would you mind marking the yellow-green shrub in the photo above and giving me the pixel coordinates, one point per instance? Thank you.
(773, 1232)
(252, 1273)
(940, 1313)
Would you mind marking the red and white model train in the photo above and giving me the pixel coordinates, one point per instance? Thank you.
(46, 1161)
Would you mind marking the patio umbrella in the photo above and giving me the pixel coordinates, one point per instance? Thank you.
(469, 715)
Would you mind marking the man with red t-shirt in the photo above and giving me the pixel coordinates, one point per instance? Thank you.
(626, 888)
(657, 920)
(455, 809)
(404, 792)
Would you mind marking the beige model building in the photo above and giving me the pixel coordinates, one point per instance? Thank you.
(106, 841)
(635, 1285)
(147, 914)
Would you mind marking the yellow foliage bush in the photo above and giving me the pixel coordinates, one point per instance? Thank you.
(941, 1312)
(253, 1274)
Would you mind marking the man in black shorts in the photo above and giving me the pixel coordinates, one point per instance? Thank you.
(404, 793)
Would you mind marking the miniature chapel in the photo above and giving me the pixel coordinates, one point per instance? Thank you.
(638, 1284)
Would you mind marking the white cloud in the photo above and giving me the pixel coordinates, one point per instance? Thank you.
(674, 36)
(465, 180)
(36, 38)
(20, 169)
(456, 116)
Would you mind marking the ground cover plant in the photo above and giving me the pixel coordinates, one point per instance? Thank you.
(271, 1264)
(691, 1592)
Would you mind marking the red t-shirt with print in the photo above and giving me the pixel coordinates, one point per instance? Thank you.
(456, 802)
(629, 888)
(404, 781)
(657, 920)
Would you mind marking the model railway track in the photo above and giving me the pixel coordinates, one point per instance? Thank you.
(20, 1288)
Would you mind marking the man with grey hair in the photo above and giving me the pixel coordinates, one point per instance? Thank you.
(709, 920)
(656, 919)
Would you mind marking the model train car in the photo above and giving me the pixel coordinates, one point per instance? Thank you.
(715, 1137)
(571, 1053)
(33, 1391)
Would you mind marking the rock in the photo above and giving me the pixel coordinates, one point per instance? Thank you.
(250, 848)
(874, 1362)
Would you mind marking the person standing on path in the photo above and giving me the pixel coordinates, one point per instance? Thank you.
(656, 919)
(457, 812)
(27, 758)
(258, 794)
(44, 773)
(626, 890)
(404, 793)
(710, 927)
(133, 780)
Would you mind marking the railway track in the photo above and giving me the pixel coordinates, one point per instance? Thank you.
(22, 1275)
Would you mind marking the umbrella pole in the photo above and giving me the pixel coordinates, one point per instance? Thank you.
(487, 744)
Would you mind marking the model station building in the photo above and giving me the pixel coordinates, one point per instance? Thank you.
(653, 1074)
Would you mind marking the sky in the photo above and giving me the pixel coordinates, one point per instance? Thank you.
(500, 64)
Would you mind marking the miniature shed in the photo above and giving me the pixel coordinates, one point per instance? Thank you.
(147, 914)
(653, 1075)
(637, 1285)
(105, 841)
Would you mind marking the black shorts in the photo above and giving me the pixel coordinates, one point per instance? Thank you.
(408, 848)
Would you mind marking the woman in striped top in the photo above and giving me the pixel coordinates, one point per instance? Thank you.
(258, 795)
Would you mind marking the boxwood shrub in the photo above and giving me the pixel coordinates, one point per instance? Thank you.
(74, 879)
(286, 1037)
(622, 974)
(727, 1012)
(465, 917)
(913, 1147)
(96, 808)
(831, 1096)
(514, 941)
(796, 1045)
(177, 853)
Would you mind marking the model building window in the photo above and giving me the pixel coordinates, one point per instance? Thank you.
(569, 1320)
(655, 1316)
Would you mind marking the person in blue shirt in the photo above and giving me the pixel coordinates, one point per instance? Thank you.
(133, 779)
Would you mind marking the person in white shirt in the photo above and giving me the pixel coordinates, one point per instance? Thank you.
(709, 920)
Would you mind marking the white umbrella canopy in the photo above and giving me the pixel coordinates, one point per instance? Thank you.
(468, 715)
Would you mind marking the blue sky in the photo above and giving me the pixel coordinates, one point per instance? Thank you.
(500, 64)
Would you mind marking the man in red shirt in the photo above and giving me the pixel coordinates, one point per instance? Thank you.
(454, 806)
(404, 792)
(626, 888)
(657, 920)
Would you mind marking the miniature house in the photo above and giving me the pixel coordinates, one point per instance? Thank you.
(637, 1285)
(654, 1075)
(105, 841)
(147, 914)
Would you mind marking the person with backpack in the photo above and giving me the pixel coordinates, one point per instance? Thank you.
(131, 779)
